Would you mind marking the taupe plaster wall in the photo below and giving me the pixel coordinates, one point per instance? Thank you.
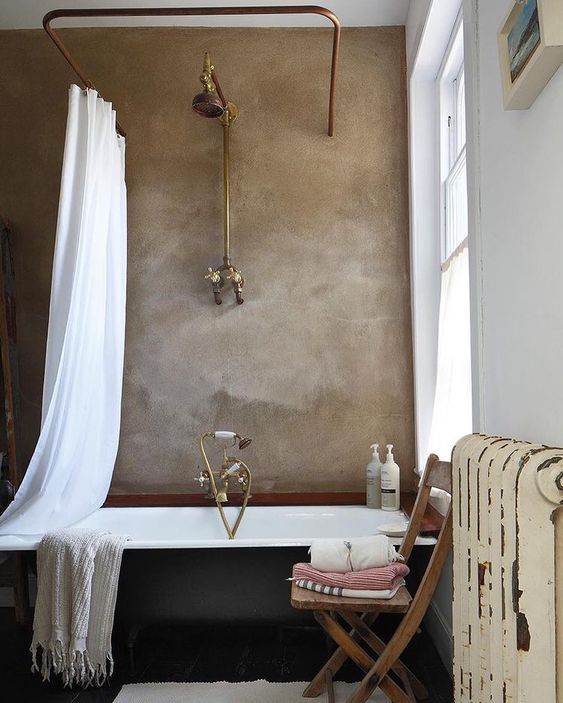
(317, 363)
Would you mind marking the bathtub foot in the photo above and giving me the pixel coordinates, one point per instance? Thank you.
(132, 637)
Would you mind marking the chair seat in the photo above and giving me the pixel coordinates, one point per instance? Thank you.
(304, 599)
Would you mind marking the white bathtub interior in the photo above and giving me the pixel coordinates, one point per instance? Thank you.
(200, 527)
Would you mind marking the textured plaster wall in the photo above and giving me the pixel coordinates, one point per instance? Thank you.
(317, 363)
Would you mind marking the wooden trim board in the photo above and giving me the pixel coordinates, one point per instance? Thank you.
(152, 500)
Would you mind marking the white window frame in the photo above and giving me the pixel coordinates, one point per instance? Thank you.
(429, 45)
(452, 137)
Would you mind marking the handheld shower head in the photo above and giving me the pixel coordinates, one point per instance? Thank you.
(231, 438)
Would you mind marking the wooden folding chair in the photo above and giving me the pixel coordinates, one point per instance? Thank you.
(359, 614)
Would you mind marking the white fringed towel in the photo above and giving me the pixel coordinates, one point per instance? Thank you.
(77, 578)
(343, 555)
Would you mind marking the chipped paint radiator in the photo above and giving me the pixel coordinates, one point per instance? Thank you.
(508, 549)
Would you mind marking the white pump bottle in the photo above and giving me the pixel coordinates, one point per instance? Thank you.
(390, 482)
(373, 479)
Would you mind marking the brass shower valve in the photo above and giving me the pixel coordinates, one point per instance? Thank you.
(215, 276)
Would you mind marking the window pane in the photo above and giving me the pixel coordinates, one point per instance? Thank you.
(456, 207)
(460, 112)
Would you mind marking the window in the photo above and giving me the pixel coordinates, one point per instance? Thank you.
(452, 416)
(453, 171)
(455, 184)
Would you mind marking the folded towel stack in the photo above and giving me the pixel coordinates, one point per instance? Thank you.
(381, 582)
(349, 593)
(367, 567)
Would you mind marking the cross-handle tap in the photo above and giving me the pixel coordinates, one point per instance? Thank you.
(238, 282)
(204, 483)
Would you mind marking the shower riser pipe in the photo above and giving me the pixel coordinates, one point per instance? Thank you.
(227, 198)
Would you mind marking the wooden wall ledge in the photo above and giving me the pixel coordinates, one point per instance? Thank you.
(153, 500)
(432, 520)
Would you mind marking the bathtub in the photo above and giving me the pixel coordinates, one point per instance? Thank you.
(179, 564)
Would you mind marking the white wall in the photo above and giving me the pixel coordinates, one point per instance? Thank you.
(515, 178)
(24, 14)
(416, 19)
(517, 235)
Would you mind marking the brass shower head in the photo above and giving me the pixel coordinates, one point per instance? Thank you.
(210, 102)
(207, 105)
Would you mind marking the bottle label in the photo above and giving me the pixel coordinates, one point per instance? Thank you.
(388, 498)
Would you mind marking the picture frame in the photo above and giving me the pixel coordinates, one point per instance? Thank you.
(530, 49)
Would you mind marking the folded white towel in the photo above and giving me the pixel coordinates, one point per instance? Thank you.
(77, 577)
(343, 555)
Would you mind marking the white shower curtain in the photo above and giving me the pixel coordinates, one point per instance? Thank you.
(70, 472)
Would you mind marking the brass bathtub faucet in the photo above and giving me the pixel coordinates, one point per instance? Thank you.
(216, 483)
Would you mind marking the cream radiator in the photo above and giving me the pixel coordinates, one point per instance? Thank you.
(508, 549)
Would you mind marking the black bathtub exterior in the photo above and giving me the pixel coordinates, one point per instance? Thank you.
(237, 585)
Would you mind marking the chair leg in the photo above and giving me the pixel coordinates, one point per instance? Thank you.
(410, 692)
(414, 687)
(329, 686)
(334, 663)
(370, 638)
(361, 628)
(359, 657)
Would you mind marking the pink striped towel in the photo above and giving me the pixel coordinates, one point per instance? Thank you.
(378, 579)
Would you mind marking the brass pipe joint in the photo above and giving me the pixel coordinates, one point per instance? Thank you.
(206, 77)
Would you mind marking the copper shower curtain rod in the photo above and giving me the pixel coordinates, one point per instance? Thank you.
(196, 11)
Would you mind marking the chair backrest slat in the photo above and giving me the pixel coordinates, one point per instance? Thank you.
(437, 474)
(441, 476)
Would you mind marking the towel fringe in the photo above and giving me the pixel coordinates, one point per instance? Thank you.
(73, 666)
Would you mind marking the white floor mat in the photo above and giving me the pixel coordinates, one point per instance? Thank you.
(222, 692)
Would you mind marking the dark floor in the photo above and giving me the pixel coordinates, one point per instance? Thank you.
(182, 653)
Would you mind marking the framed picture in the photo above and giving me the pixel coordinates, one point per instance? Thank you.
(531, 50)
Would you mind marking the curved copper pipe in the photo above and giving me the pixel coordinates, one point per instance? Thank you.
(197, 11)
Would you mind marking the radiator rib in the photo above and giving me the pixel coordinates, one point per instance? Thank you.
(505, 496)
